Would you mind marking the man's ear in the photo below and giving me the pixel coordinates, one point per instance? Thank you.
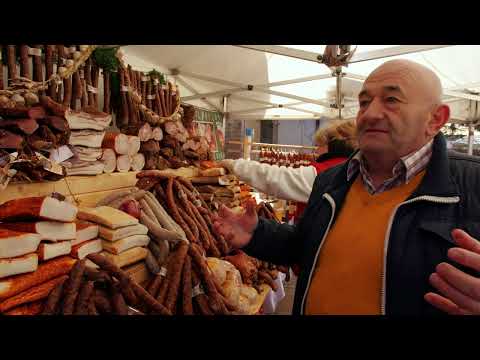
(439, 118)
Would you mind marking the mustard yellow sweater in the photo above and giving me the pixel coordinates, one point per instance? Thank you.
(347, 278)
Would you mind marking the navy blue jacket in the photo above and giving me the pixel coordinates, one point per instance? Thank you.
(417, 239)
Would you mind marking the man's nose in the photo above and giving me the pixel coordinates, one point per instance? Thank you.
(374, 111)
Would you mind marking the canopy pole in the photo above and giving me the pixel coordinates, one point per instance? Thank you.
(225, 112)
(338, 98)
(471, 133)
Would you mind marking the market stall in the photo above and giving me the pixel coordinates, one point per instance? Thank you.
(106, 179)
(109, 175)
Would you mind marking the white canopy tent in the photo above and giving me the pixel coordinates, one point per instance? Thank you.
(289, 82)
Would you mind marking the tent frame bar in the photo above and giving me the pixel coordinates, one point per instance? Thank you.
(237, 87)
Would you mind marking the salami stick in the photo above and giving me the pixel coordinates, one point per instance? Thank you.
(203, 232)
(49, 52)
(141, 293)
(67, 91)
(191, 224)
(144, 90)
(37, 66)
(177, 262)
(162, 100)
(88, 80)
(92, 309)
(132, 119)
(83, 299)
(24, 62)
(118, 302)
(167, 99)
(84, 97)
(53, 300)
(187, 287)
(200, 262)
(127, 292)
(95, 75)
(200, 299)
(60, 63)
(176, 215)
(72, 286)
(149, 92)
(76, 90)
(12, 63)
(102, 302)
(1, 72)
(154, 285)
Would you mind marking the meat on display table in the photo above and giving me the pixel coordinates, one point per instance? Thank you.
(88, 190)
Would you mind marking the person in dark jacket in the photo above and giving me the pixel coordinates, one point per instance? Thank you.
(394, 229)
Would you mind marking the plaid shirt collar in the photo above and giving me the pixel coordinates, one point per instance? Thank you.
(403, 171)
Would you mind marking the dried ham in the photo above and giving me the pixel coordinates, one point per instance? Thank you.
(83, 120)
(15, 243)
(34, 208)
(89, 138)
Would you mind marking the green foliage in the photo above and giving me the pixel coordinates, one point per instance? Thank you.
(106, 58)
(154, 74)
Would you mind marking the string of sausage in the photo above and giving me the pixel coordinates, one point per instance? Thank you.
(72, 286)
(95, 75)
(187, 287)
(162, 100)
(53, 301)
(201, 299)
(88, 80)
(220, 244)
(214, 299)
(12, 63)
(174, 210)
(142, 294)
(37, 66)
(191, 224)
(60, 63)
(49, 51)
(175, 275)
(24, 63)
(208, 241)
(1, 71)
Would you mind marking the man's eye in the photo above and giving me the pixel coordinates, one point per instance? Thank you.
(363, 103)
(392, 99)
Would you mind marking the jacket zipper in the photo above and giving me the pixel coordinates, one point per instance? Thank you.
(434, 199)
(333, 206)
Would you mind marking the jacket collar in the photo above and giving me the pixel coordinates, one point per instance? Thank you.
(436, 182)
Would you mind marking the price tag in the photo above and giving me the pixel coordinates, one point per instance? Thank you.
(163, 272)
(92, 89)
(197, 290)
(35, 51)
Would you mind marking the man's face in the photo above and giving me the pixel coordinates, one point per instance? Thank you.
(393, 114)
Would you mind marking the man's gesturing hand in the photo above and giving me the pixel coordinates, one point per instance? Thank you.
(461, 292)
(237, 229)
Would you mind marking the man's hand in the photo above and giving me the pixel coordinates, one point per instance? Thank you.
(461, 292)
(236, 229)
(227, 164)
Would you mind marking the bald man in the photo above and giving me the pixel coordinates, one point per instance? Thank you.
(394, 229)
